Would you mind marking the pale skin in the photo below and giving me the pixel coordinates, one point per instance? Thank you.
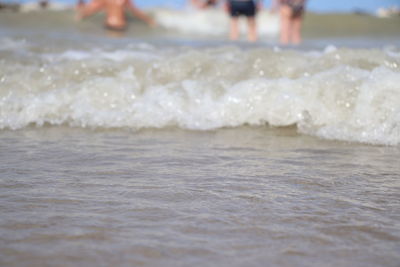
(252, 35)
(202, 4)
(115, 12)
(290, 25)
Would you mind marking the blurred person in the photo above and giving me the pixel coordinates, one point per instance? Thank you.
(202, 4)
(115, 12)
(248, 9)
(291, 17)
(43, 4)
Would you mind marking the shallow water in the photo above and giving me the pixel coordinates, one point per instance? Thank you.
(174, 147)
(347, 94)
(231, 197)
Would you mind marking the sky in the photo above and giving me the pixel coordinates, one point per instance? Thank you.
(313, 5)
(350, 5)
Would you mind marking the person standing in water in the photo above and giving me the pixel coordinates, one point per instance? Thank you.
(204, 4)
(291, 17)
(248, 9)
(115, 12)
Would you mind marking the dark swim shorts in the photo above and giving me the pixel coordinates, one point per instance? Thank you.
(242, 8)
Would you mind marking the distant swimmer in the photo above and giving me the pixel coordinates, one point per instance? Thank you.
(115, 12)
(202, 4)
(291, 13)
(43, 4)
(248, 9)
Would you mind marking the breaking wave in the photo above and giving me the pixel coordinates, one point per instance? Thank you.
(341, 94)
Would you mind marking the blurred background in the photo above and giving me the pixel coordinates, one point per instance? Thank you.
(367, 6)
(365, 23)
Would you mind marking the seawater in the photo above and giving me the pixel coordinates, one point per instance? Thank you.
(343, 94)
(229, 197)
(174, 147)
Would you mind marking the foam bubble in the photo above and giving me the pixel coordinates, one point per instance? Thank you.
(346, 94)
(117, 56)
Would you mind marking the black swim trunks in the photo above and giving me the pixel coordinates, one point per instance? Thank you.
(242, 8)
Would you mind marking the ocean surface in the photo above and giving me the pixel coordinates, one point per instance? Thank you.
(175, 147)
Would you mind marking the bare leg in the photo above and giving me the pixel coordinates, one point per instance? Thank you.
(296, 30)
(252, 29)
(285, 14)
(234, 33)
(86, 10)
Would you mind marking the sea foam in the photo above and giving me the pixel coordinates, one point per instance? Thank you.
(212, 22)
(340, 94)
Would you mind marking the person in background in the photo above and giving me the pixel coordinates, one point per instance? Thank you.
(248, 9)
(115, 12)
(43, 4)
(204, 4)
(291, 16)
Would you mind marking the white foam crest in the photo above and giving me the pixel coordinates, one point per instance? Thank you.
(212, 22)
(375, 117)
(341, 94)
(117, 56)
(392, 52)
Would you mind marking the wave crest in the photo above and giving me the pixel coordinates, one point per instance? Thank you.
(342, 94)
